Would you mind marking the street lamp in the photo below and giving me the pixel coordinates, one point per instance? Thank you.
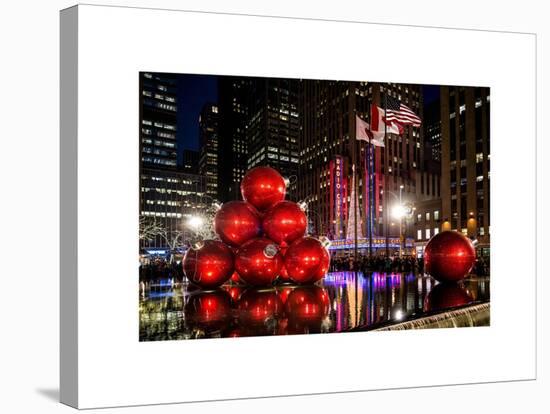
(399, 212)
(195, 222)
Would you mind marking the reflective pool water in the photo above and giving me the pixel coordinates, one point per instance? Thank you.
(343, 301)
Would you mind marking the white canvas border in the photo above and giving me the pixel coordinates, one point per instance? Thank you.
(114, 46)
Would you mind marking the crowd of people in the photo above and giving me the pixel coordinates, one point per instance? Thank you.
(394, 264)
(159, 268)
(377, 264)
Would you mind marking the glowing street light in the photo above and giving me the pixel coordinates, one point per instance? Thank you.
(195, 222)
(399, 211)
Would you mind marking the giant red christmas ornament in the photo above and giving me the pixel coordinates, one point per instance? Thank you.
(285, 222)
(263, 187)
(209, 265)
(305, 308)
(256, 306)
(449, 256)
(258, 262)
(307, 260)
(236, 222)
(446, 295)
(208, 309)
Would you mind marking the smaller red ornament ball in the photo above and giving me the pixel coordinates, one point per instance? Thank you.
(449, 256)
(263, 187)
(307, 260)
(236, 222)
(445, 296)
(258, 262)
(209, 265)
(285, 222)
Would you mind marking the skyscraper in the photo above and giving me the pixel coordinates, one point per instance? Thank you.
(273, 126)
(158, 107)
(465, 161)
(234, 98)
(208, 141)
(167, 195)
(259, 125)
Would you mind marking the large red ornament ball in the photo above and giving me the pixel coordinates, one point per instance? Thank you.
(284, 222)
(208, 309)
(307, 260)
(209, 265)
(258, 262)
(445, 296)
(263, 187)
(256, 306)
(449, 256)
(236, 222)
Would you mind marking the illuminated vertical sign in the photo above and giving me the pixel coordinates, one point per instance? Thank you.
(337, 196)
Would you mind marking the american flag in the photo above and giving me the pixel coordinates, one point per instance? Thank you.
(400, 113)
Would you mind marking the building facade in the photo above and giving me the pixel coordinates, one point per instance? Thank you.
(168, 194)
(190, 161)
(233, 97)
(273, 127)
(158, 122)
(329, 150)
(208, 141)
(465, 161)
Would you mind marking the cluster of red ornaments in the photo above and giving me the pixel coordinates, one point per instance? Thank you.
(262, 239)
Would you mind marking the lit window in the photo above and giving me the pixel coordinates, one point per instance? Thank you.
(436, 215)
(419, 235)
(428, 216)
(436, 230)
(428, 233)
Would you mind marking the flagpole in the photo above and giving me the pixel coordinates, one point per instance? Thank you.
(370, 192)
(386, 173)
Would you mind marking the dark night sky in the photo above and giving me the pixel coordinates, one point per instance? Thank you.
(431, 93)
(196, 90)
(193, 92)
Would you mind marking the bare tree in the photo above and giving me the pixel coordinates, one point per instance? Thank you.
(149, 229)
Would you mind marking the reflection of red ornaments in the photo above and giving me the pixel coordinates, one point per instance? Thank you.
(263, 187)
(446, 295)
(256, 306)
(284, 222)
(209, 265)
(305, 308)
(258, 262)
(210, 309)
(449, 256)
(236, 222)
(307, 260)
